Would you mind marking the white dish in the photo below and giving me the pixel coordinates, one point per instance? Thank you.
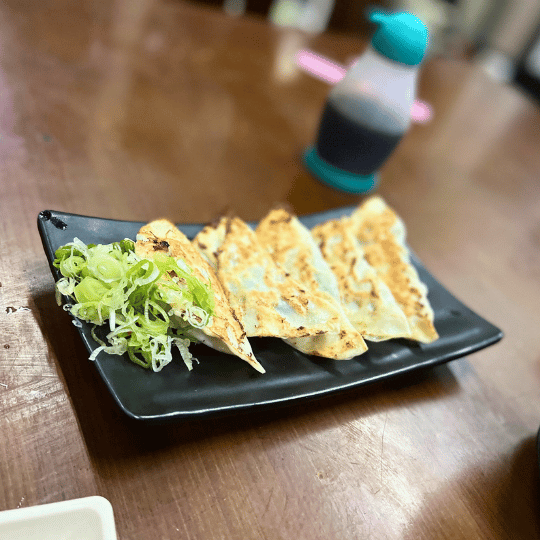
(89, 518)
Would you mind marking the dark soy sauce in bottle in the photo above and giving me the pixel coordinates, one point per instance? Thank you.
(357, 137)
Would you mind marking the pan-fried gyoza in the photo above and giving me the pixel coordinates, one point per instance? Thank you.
(267, 300)
(366, 299)
(381, 233)
(291, 245)
(224, 332)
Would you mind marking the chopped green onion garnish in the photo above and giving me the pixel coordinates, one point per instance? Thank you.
(111, 283)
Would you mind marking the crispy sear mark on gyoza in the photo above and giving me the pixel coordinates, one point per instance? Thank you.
(160, 245)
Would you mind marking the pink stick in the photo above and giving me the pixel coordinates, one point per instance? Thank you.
(331, 72)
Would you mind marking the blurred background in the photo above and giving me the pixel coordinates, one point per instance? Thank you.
(501, 36)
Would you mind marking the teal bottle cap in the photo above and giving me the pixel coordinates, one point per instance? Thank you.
(338, 178)
(401, 37)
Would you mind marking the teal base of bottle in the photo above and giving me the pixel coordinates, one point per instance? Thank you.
(338, 178)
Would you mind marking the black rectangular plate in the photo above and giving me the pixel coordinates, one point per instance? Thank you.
(224, 384)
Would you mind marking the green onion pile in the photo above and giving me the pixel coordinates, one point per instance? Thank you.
(112, 283)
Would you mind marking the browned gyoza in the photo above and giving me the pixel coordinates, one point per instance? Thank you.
(224, 332)
(268, 301)
(366, 299)
(381, 233)
(294, 249)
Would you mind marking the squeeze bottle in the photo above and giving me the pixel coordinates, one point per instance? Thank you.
(369, 110)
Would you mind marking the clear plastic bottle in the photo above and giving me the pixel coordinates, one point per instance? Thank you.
(369, 110)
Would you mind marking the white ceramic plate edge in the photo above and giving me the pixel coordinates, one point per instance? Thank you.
(47, 513)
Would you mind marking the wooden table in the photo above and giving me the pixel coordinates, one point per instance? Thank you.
(139, 109)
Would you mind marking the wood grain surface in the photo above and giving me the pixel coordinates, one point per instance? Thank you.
(137, 109)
